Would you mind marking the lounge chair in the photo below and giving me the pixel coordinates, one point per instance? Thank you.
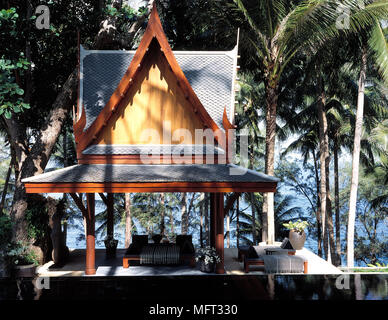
(261, 256)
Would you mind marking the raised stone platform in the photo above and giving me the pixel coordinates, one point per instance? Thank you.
(113, 267)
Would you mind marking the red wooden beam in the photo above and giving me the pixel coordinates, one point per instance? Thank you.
(229, 133)
(219, 198)
(114, 187)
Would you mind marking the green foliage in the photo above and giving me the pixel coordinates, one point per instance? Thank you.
(5, 232)
(379, 47)
(371, 245)
(53, 53)
(37, 221)
(21, 254)
(366, 270)
(124, 12)
(10, 65)
(285, 209)
(123, 15)
(378, 265)
(13, 253)
(8, 16)
(297, 226)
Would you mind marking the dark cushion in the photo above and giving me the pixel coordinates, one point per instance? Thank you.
(140, 239)
(185, 243)
(252, 254)
(286, 244)
(187, 248)
(181, 238)
(157, 238)
(133, 250)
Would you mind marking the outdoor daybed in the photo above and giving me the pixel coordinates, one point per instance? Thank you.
(274, 259)
(144, 253)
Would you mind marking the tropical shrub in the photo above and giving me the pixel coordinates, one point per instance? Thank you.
(207, 255)
(297, 226)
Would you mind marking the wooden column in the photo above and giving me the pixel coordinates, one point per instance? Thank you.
(90, 267)
(109, 223)
(220, 231)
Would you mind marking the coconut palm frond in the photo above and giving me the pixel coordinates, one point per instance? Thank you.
(379, 47)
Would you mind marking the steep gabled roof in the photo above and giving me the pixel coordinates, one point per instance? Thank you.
(210, 74)
(86, 131)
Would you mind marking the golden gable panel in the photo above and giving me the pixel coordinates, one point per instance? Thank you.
(154, 103)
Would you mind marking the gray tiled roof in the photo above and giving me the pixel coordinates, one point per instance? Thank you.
(122, 173)
(153, 149)
(210, 74)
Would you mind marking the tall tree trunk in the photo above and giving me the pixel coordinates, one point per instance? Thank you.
(202, 214)
(172, 222)
(356, 160)
(65, 164)
(5, 188)
(253, 226)
(337, 209)
(162, 225)
(227, 229)
(319, 222)
(264, 217)
(206, 218)
(324, 151)
(128, 220)
(32, 161)
(184, 215)
(56, 211)
(28, 73)
(252, 198)
(268, 214)
(329, 212)
(238, 223)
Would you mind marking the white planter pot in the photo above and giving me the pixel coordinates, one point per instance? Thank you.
(297, 240)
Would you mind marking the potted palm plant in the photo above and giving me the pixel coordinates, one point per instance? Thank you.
(22, 260)
(207, 258)
(297, 236)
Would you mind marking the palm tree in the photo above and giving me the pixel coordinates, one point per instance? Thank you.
(249, 98)
(340, 91)
(356, 159)
(379, 48)
(278, 31)
(307, 144)
(128, 220)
